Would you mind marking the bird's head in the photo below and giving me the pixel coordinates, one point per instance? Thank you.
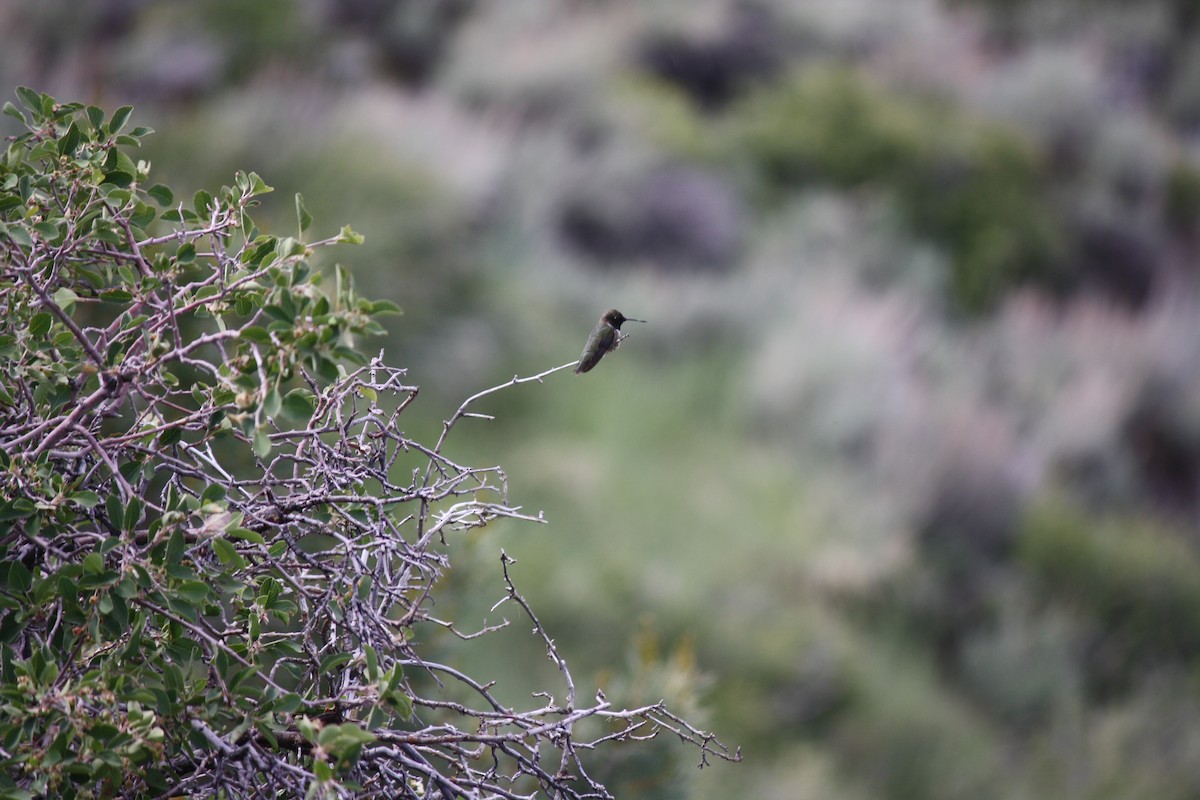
(615, 318)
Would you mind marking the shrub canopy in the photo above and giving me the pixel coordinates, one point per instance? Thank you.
(218, 546)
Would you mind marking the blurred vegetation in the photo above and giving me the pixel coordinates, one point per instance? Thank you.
(973, 187)
(908, 457)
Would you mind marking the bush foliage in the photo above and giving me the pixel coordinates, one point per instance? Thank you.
(971, 186)
(218, 547)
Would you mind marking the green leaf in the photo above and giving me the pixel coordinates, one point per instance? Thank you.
(268, 587)
(132, 468)
(245, 304)
(287, 246)
(19, 235)
(348, 236)
(19, 578)
(300, 404)
(108, 235)
(276, 312)
(142, 216)
(202, 201)
(302, 216)
(186, 253)
(48, 230)
(133, 513)
(344, 741)
(93, 564)
(394, 676)
(115, 352)
(65, 299)
(30, 99)
(16, 509)
(40, 324)
(118, 613)
(372, 663)
(334, 661)
(103, 731)
(194, 591)
(288, 703)
(69, 143)
(272, 403)
(263, 246)
(385, 307)
(258, 186)
(255, 333)
(116, 295)
(213, 493)
(343, 283)
(334, 737)
(96, 117)
(245, 534)
(86, 498)
(114, 509)
(400, 701)
(175, 548)
(262, 443)
(12, 111)
(116, 196)
(118, 178)
(226, 552)
(119, 118)
(161, 194)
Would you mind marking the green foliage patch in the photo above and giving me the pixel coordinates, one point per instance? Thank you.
(975, 188)
(1135, 579)
(126, 348)
(217, 545)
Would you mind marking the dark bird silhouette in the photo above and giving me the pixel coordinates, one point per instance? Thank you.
(606, 336)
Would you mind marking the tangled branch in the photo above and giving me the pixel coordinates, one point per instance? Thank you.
(220, 548)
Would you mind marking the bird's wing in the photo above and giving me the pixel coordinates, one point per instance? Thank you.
(597, 345)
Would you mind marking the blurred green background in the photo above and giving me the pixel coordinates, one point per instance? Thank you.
(899, 488)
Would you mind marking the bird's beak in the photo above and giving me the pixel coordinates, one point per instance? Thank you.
(631, 319)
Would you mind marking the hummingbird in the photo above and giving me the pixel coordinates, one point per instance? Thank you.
(605, 336)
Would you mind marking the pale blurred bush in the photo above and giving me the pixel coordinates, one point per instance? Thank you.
(975, 189)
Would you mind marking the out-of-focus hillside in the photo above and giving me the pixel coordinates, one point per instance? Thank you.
(900, 484)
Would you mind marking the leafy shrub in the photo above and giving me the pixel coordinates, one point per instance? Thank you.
(1137, 581)
(974, 188)
(217, 547)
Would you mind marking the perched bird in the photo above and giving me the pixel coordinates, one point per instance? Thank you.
(606, 336)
